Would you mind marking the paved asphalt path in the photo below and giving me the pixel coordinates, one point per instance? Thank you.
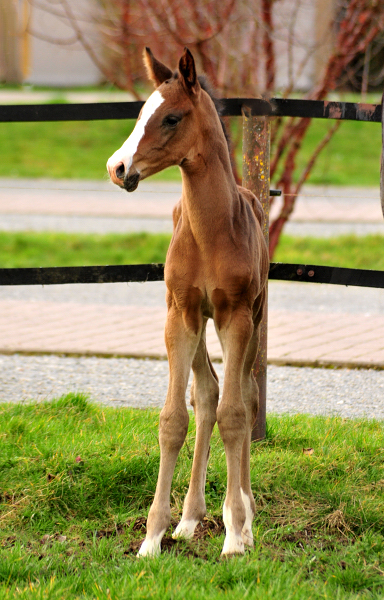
(89, 206)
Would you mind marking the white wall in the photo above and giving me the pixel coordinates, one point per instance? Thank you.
(65, 63)
(295, 39)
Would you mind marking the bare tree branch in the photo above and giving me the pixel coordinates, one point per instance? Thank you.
(238, 44)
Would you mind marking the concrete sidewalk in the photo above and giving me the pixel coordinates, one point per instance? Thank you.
(328, 204)
(299, 337)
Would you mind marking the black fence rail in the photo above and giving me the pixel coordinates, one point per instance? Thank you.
(232, 107)
(155, 272)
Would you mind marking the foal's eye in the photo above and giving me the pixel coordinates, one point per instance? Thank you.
(171, 121)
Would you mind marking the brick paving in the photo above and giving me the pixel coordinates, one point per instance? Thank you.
(326, 338)
(295, 337)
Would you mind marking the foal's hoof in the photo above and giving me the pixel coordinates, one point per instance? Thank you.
(185, 529)
(151, 546)
(233, 544)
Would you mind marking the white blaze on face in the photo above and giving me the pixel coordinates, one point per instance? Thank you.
(127, 151)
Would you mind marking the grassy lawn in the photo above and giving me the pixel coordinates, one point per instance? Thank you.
(77, 480)
(81, 149)
(348, 251)
(352, 157)
(19, 249)
(73, 150)
(62, 249)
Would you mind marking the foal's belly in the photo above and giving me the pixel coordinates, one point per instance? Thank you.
(211, 284)
(210, 297)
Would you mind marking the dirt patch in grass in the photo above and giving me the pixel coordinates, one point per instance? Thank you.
(318, 539)
(300, 538)
(136, 525)
(167, 544)
(113, 532)
(208, 528)
(139, 524)
(9, 541)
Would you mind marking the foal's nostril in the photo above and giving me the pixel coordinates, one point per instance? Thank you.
(120, 170)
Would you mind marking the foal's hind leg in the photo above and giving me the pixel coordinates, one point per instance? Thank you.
(204, 399)
(181, 346)
(250, 393)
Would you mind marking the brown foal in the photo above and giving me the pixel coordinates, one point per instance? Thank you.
(216, 267)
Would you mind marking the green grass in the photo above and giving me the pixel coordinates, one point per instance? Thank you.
(352, 157)
(77, 479)
(62, 249)
(73, 150)
(348, 251)
(81, 149)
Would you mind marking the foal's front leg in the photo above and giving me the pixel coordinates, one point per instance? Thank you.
(181, 345)
(204, 399)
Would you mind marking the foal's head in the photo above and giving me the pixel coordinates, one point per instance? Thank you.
(166, 132)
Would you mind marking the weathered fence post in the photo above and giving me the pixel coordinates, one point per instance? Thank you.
(256, 148)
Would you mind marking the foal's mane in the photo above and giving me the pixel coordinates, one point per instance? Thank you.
(208, 87)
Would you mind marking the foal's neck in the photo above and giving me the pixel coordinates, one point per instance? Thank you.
(209, 196)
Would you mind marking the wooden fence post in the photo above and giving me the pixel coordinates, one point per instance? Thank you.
(256, 160)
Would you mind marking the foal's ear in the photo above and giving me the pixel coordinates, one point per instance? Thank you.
(156, 71)
(188, 72)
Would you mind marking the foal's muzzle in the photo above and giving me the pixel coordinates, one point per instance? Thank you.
(131, 182)
(122, 178)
